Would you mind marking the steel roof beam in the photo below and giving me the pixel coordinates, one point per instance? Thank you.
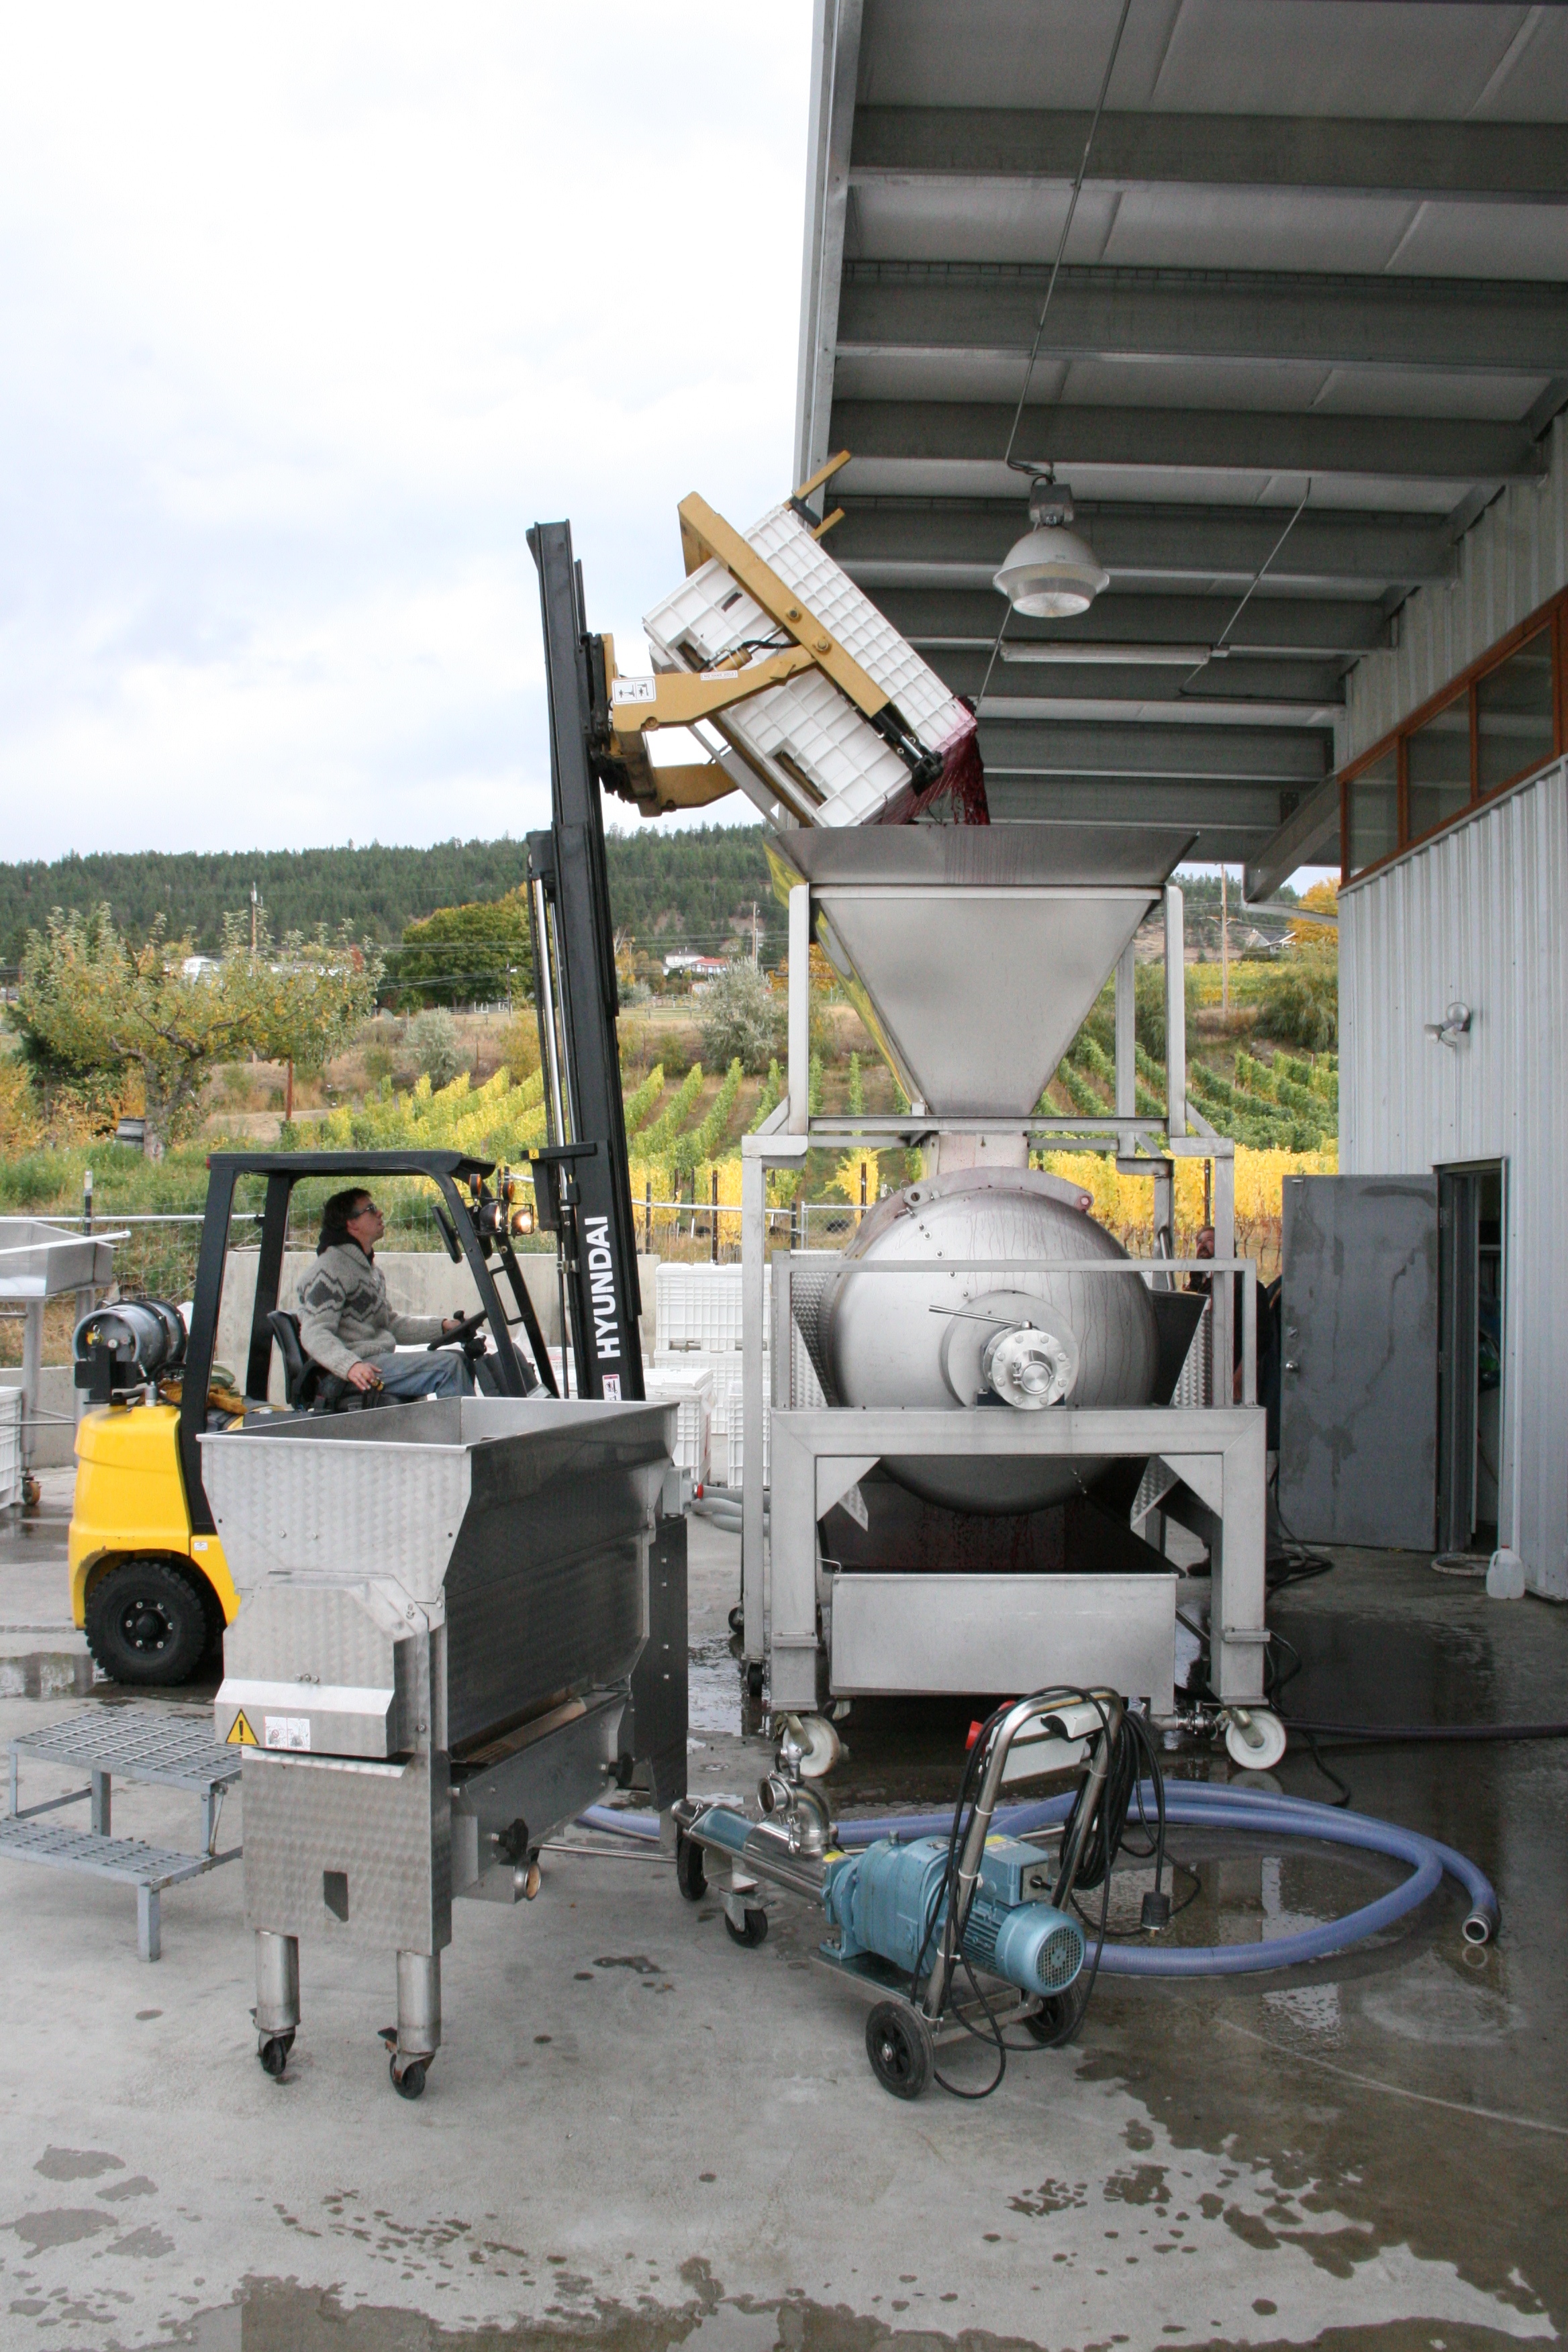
(1238, 684)
(1514, 163)
(1252, 811)
(1309, 627)
(1309, 837)
(1412, 448)
(894, 311)
(1070, 747)
(954, 546)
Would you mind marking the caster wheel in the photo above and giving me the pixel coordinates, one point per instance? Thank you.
(754, 1679)
(274, 2055)
(898, 2044)
(410, 2082)
(754, 1932)
(690, 1874)
(1056, 2021)
(737, 1621)
(1255, 1738)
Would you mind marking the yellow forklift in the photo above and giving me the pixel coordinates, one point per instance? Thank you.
(149, 1582)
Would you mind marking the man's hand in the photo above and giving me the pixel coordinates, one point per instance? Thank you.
(458, 1322)
(364, 1376)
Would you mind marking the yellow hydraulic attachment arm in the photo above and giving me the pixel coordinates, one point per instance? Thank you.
(634, 707)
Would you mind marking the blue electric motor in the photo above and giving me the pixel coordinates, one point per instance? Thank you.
(887, 1899)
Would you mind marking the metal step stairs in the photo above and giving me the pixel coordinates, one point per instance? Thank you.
(154, 1746)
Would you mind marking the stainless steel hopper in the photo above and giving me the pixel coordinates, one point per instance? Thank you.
(460, 1622)
(972, 952)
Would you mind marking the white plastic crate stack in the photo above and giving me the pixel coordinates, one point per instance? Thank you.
(10, 1447)
(692, 1392)
(823, 758)
(697, 1310)
(697, 1323)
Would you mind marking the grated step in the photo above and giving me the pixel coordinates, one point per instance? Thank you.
(148, 1744)
(128, 1860)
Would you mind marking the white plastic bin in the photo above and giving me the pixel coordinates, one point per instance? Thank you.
(10, 1447)
(807, 725)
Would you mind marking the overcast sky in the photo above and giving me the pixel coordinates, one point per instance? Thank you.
(308, 312)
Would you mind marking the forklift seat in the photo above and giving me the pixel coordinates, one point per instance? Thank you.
(307, 1387)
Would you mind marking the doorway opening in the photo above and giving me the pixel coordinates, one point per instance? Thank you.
(1471, 1209)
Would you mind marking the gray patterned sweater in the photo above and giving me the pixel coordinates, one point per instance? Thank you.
(346, 1314)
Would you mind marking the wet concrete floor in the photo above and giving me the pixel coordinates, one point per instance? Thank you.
(639, 2135)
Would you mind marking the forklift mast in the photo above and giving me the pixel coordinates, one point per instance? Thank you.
(582, 1178)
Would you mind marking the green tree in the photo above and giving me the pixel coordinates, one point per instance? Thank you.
(743, 1020)
(433, 1041)
(90, 1002)
(475, 954)
(1302, 1006)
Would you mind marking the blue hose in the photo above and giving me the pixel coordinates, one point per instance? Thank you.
(1195, 1804)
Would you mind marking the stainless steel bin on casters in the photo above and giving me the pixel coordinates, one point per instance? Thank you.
(460, 1622)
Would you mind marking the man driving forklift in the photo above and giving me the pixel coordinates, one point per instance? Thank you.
(348, 1325)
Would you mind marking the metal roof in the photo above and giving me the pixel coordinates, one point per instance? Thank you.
(1320, 254)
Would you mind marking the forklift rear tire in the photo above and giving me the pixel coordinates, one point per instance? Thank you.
(147, 1623)
(690, 1874)
(898, 2044)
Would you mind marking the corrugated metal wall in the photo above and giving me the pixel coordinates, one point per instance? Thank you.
(1510, 561)
(1481, 915)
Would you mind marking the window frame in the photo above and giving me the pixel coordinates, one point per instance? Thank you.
(1550, 618)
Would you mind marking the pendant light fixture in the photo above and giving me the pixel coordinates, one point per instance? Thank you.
(1051, 571)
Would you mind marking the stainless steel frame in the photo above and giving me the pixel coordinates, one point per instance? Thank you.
(1218, 1451)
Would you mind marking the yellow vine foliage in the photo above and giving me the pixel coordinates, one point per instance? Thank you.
(21, 1129)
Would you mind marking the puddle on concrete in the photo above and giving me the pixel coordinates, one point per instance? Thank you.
(279, 2315)
(713, 1689)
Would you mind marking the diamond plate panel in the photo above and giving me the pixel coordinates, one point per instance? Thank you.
(386, 1829)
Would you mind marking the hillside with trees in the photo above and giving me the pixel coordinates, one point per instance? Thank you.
(689, 892)
(669, 890)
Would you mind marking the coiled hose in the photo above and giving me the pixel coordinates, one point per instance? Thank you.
(1195, 1804)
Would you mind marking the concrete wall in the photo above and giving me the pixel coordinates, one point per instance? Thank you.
(418, 1282)
(1480, 915)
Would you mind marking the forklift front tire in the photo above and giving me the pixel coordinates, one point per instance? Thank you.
(147, 1623)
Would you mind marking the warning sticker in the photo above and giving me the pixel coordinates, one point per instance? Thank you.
(613, 1386)
(239, 1733)
(634, 689)
(287, 1730)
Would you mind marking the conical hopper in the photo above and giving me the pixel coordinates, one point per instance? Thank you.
(972, 952)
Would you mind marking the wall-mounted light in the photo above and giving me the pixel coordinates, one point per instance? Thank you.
(1454, 1024)
(1051, 571)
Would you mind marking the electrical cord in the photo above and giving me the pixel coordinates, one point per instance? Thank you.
(945, 1897)
(1090, 1846)
(946, 1901)
(1394, 1734)
(1300, 1562)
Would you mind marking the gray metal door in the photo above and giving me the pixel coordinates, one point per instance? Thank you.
(1358, 1408)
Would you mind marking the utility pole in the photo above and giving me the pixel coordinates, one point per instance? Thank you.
(1224, 941)
(254, 904)
(753, 933)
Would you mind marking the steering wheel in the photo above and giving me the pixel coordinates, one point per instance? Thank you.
(469, 1328)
